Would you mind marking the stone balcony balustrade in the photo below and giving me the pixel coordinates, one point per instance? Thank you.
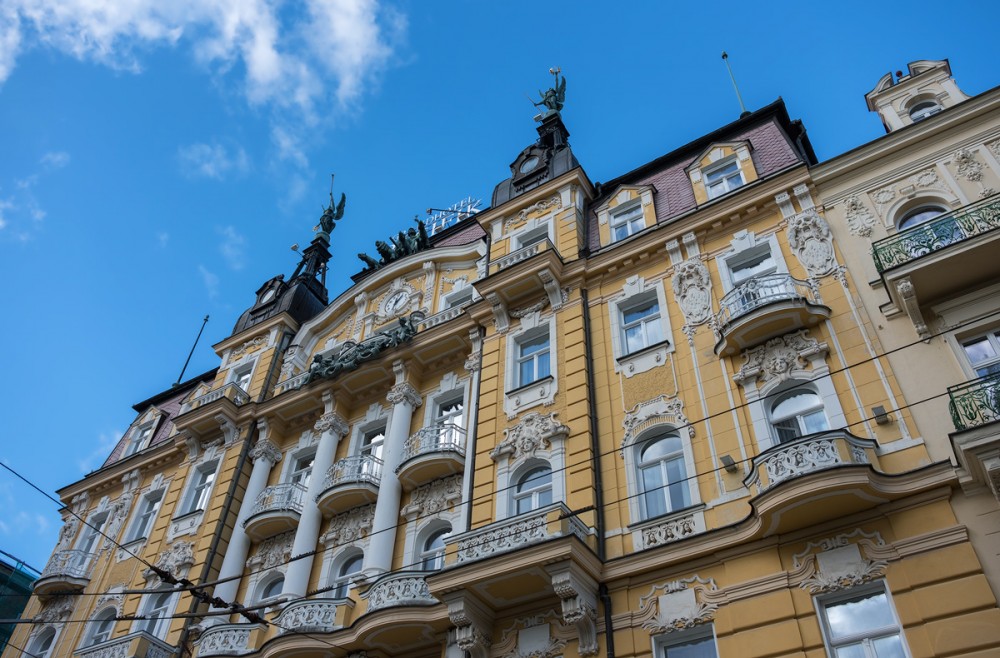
(310, 616)
(133, 644)
(350, 482)
(806, 455)
(515, 257)
(230, 391)
(66, 570)
(432, 452)
(229, 640)
(399, 588)
(513, 533)
(763, 307)
(277, 509)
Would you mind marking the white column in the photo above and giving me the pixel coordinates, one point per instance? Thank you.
(404, 400)
(264, 455)
(472, 364)
(331, 427)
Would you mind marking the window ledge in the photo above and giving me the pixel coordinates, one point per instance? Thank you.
(540, 380)
(540, 391)
(663, 344)
(643, 360)
(185, 524)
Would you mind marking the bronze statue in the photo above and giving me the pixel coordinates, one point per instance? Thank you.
(370, 263)
(331, 214)
(554, 97)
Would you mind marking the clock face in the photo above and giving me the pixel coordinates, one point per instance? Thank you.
(529, 164)
(396, 302)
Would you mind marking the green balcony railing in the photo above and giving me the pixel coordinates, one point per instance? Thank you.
(975, 403)
(946, 230)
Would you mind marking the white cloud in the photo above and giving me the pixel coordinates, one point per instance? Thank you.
(210, 280)
(233, 247)
(105, 444)
(55, 159)
(289, 59)
(212, 160)
(163, 238)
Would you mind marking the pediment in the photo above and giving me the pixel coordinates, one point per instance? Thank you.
(717, 151)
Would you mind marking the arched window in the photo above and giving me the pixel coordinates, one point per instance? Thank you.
(271, 588)
(533, 490)
(919, 215)
(350, 568)
(662, 476)
(42, 645)
(101, 627)
(156, 611)
(924, 109)
(797, 413)
(432, 549)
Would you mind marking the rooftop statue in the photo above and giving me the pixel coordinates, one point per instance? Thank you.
(554, 97)
(332, 214)
(402, 244)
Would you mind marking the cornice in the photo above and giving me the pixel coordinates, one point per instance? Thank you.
(577, 174)
(282, 319)
(108, 476)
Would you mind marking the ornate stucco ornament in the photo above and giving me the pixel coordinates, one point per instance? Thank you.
(659, 410)
(779, 357)
(860, 220)
(535, 432)
(679, 604)
(352, 355)
(693, 290)
(809, 237)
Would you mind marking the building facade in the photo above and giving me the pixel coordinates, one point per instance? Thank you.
(655, 416)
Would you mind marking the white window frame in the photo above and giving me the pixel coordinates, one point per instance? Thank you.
(635, 292)
(35, 642)
(935, 108)
(761, 399)
(422, 555)
(338, 580)
(680, 455)
(458, 297)
(510, 473)
(778, 397)
(746, 245)
(535, 358)
(193, 496)
(137, 531)
(878, 587)
(662, 643)
(532, 493)
(519, 397)
(627, 215)
(293, 460)
(716, 167)
(139, 438)
(95, 634)
(161, 625)
(265, 583)
(532, 233)
(96, 524)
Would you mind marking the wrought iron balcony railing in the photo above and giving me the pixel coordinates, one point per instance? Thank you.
(762, 290)
(279, 498)
(71, 563)
(948, 229)
(357, 469)
(976, 402)
(441, 437)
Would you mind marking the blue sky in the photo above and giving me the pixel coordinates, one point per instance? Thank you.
(158, 159)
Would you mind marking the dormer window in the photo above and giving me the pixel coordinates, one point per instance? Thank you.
(628, 221)
(627, 211)
(924, 109)
(723, 178)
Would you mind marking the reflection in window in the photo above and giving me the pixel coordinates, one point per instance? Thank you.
(156, 612)
(724, 178)
(920, 215)
(924, 109)
(797, 413)
(863, 626)
(348, 570)
(640, 325)
(627, 222)
(662, 476)
(101, 627)
(983, 353)
(532, 359)
(432, 551)
(534, 490)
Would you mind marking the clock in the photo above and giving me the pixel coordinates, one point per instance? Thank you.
(529, 164)
(396, 302)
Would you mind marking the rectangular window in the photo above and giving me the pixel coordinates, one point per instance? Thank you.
(532, 359)
(241, 377)
(698, 642)
(139, 440)
(143, 522)
(983, 353)
(627, 222)
(757, 263)
(92, 534)
(201, 489)
(458, 298)
(532, 237)
(640, 325)
(301, 470)
(723, 178)
(861, 625)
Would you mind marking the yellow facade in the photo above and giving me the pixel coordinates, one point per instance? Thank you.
(623, 420)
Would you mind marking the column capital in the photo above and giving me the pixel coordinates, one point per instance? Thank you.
(404, 392)
(332, 422)
(266, 450)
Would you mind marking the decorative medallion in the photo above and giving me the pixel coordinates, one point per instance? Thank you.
(693, 290)
(810, 239)
(535, 432)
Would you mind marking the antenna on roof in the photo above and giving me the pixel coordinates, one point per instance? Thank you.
(181, 376)
(743, 108)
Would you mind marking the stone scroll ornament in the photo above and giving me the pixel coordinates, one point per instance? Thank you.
(809, 237)
(693, 290)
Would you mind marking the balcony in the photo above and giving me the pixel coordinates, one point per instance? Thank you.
(399, 588)
(807, 455)
(276, 510)
(433, 452)
(946, 256)
(230, 391)
(515, 257)
(65, 571)
(133, 644)
(516, 532)
(349, 483)
(230, 640)
(764, 307)
(975, 407)
(311, 616)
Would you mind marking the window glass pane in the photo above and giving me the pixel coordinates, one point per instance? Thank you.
(535, 479)
(654, 495)
(787, 430)
(759, 264)
(979, 349)
(889, 647)
(700, 648)
(796, 403)
(662, 447)
(527, 372)
(920, 215)
(634, 339)
(534, 345)
(543, 365)
(621, 232)
(654, 331)
(815, 422)
(859, 615)
(640, 311)
(678, 489)
(851, 651)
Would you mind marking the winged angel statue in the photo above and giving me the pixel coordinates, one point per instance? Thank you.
(554, 97)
